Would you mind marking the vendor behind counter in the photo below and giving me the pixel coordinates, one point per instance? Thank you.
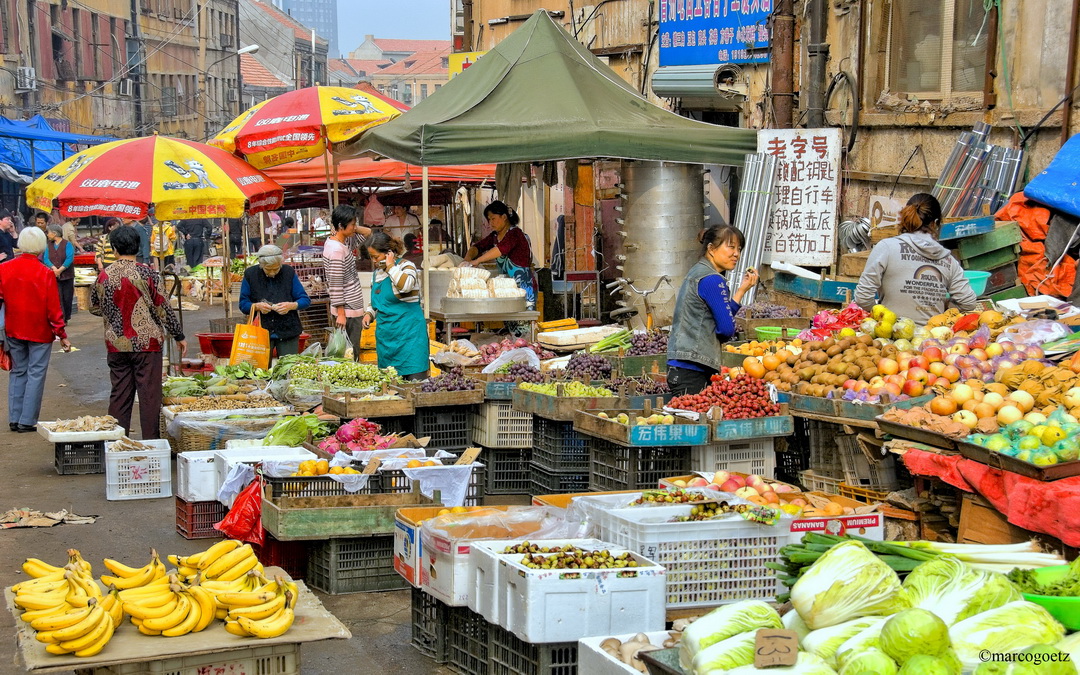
(913, 274)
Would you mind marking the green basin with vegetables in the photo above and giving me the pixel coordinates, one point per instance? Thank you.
(1064, 609)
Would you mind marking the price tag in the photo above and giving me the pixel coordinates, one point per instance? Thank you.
(774, 647)
(468, 457)
(372, 465)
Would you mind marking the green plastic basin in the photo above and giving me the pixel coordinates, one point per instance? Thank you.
(1065, 610)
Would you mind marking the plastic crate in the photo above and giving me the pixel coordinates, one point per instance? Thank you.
(291, 556)
(279, 659)
(824, 456)
(756, 456)
(394, 480)
(447, 426)
(789, 463)
(355, 565)
(507, 471)
(196, 478)
(815, 482)
(614, 467)
(312, 486)
(868, 494)
(558, 448)
(138, 474)
(496, 424)
(709, 562)
(545, 482)
(429, 618)
(860, 471)
(467, 641)
(74, 459)
(512, 656)
(195, 520)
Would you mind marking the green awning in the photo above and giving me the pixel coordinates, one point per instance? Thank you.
(539, 95)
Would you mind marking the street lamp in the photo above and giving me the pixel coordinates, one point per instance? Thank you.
(250, 49)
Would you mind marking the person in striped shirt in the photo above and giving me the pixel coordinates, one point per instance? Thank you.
(342, 278)
(401, 337)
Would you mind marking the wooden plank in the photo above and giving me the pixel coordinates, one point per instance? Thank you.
(726, 431)
(344, 516)
(853, 264)
(348, 407)
(433, 399)
(1005, 235)
(981, 523)
(966, 227)
(830, 290)
(833, 419)
(1010, 294)
(682, 432)
(559, 408)
(992, 260)
(1001, 279)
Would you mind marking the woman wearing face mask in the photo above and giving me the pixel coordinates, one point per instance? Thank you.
(401, 338)
(704, 313)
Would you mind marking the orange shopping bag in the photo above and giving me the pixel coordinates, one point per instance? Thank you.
(250, 344)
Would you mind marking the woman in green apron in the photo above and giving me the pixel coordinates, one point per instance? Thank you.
(401, 338)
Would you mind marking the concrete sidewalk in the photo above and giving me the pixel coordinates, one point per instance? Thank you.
(78, 384)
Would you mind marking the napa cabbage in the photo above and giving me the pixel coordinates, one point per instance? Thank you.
(807, 664)
(954, 591)
(914, 631)
(735, 651)
(867, 638)
(869, 661)
(1009, 628)
(826, 642)
(724, 622)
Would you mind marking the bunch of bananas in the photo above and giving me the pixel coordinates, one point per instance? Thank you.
(254, 606)
(127, 578)
(64, 605)
(227, 560)
(169, 607)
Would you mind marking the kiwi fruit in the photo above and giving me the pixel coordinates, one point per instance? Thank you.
(853, 372)
(834, 350)
(865, 340)
(869, 373)
(819, 357)
(845, 344)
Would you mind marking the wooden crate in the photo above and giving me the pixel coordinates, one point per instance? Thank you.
(853, 264)
(316, 518)
(1002, 279)
(682, 432)
(981, 523)
(433, 399)
(346, 406)
(992, 259)
(560, 408)
(1004, 235)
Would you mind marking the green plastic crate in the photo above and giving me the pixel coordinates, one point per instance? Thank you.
(354, 565)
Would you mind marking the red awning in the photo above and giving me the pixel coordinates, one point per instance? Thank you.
(365, 170)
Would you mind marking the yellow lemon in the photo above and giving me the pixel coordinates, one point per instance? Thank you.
(1051, 435)
(337, 470)
(413, 463)
(443, 512)
(322, 467)
(459, 509)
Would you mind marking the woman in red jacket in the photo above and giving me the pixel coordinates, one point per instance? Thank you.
(33, 321)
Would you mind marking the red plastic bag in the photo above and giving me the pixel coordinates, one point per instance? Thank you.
(244, 519)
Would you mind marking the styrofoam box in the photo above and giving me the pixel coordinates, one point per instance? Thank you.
(44, 429)
(485, 597)
(595, 661)
(224, 460)
(709, 562)
(138, 474)
(196, 477)
(444, 570)
(566, 605)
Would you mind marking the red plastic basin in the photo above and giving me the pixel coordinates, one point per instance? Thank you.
(220, 344)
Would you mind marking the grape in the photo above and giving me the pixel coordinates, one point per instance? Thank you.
(347, 374)
(572, 388)
(646, 386)
(451, 380)
(652, 342)
(588, 367)
(511, 372)
(767, 310)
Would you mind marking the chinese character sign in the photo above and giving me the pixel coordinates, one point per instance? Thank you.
(704, 32)
(802, 230)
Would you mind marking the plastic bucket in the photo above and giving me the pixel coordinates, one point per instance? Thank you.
(768, 332)
(977, 280)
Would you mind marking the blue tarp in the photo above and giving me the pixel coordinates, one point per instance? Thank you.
(1056, 185)
(16, 137)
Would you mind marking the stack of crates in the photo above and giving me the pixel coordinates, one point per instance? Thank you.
(506, 435)
(825, 472)
(448, 426)
(197, 505)
(560, 458)
(291, 556)
(476, 647)
(429, 629)
(615, 467)
(353, 565)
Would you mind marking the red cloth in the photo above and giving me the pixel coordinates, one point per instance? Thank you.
(1033, 218)
(1051, 507)
(31, 300)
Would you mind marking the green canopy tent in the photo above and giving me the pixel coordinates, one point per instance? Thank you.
(540, 95)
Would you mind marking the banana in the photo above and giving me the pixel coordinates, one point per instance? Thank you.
(41, 601)
(207, 608)
(37, 568)
(259, 612)
(38, 588)
(77, 595)
(75, 558)
(81, 628)
(146, 631)
(56, 649)
(114, 607)
(34, 614)
(212, 554)
(185, 571)
(121, 570)
(240, 569)
(39, 582)
(153, 588)
(232, 600)
(191, 560)
(143, 613)
(221, 613)
(193, 618)
(293, 589)
(97, 645)
(227, 562)
(155, 570)
(62, 620)
(171, 619)
(84, 641)
(234, 628)
(268, 628)
(173, 560)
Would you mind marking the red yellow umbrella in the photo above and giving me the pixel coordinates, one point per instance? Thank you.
(181, 179)
(299, 124)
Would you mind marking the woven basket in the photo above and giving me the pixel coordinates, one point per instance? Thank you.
(198, 439)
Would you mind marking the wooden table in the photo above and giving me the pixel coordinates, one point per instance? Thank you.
(449, 319)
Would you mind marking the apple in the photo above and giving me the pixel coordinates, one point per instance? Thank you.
(931, 379)
(678, 482)
(994, 399)
(850, 384)
(747, 492)
(951, 373)
(1023, 400)
(730, 485)
(896, 379)
(798, 501)
(933, 354)
(918, 374)
(1007, 414)
(738, 479)
(714, 487)
(984, 410)
(860, 385)
(913, 388)
(943, 406)
(698, 481)
(979, 354)
(879, 381)
(888, 366)
(937, 368)
(1072, 397)
(905, 362)
(967, 418)
(961, 394)
(920, 362)
(720, 477)
(893, 388)
(771, 497)
(959, 348)
(994, 349)
(754, 480)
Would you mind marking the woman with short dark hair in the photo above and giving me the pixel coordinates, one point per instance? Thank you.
(401, 338)
(342, 278)
(60, 257)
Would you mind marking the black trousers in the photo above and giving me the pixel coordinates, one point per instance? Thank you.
(685, 381)
(131, 373)
(194, 251)
(67, 296)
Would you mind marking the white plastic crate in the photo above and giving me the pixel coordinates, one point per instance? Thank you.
(138, 474)
(595, 661)
(485, 572)
(496, 424)
(756, 456)
(708, 562)
(279, 659)
(545, 606)
(224, 460)
(196, 479)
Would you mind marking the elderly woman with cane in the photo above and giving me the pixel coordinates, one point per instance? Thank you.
(273, 289)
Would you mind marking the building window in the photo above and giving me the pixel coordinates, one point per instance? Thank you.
(936, 48)
(423, 92)
(406, 94)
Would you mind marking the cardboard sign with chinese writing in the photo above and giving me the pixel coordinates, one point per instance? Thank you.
(884, 211)
(711, 32)
(775, 648)
(802, 230)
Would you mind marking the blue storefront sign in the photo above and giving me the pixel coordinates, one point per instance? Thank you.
(703, 32)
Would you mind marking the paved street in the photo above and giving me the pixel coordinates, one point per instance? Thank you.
(78, 384)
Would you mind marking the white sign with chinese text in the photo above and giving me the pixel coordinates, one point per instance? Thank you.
(802, 229)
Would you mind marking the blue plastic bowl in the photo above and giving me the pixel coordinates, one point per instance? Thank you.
(977, 280)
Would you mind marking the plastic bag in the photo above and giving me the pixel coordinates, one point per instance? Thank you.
(223, 425)
(244, 519)
(337, 344)
(313, 349)
(451, 481)
(519, 523)
(374, 212)
(520, 355)
(1035, 333)
(237, 479)
(251, 344)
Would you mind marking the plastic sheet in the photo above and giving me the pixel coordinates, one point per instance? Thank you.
(225, 424)
(516, 522)
(520, 355)
(1037, 332)
(451, 481)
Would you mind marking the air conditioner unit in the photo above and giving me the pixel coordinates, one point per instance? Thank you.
(126, 87)
(233, 95)
(226, 40)
(26, 79)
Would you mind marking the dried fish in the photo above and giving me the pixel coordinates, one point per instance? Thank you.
(86, 423)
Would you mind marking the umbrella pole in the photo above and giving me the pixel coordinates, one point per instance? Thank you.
(336, 183)
(329, 191)
(424, 233)
(226, 269)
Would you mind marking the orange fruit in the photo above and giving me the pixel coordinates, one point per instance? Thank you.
(322, 467)
(413, 463)
(431, 462)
